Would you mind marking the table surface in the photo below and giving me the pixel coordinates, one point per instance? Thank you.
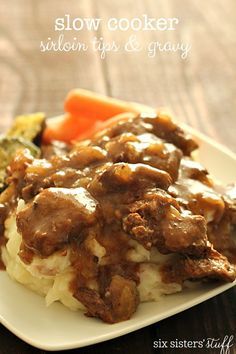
(199, 90)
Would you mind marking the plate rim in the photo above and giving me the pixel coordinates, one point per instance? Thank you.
(221, 288)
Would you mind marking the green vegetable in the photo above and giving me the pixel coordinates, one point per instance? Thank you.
(27, 126)
(24, 131)
(8, 149)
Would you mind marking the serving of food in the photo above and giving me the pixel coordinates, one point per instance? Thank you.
(106, 207)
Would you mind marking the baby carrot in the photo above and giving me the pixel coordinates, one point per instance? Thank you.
(65, 128)
(94, 106)
(85, 112)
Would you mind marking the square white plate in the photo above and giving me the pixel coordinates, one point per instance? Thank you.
(56, 328)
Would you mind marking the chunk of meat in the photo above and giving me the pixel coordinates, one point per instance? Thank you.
(214, 265)
(56, 148)
(123, 175)
(118, 304)
(195, 191)
(230, 200)
(194, 170)
(165, 128)
(158, 221)
(223, 237)
(60, 171)
(184, 233)
(17, 169)
(147, 149)
(3, 214)
(55, 215)
(161, 125)
(86, 156)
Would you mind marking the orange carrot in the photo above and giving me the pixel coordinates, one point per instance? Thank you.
(99, 126)
(85, 110)
(66, 128)
(95, 106)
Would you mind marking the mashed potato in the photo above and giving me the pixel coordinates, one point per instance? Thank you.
(51, 277)
(48, 277)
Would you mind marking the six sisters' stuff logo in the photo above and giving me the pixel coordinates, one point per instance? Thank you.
(131, 44)
(221, 345)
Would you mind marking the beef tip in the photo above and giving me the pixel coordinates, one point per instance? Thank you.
(123, 296)
(123, 175)
(85, 156)
(126, 126)
(37, 177)
(84, 260)
(3, 240)
(144, 216)
(196, 192)
(194, 170)
(60, 171)
(230, 200)
(159, 124)
(145, 148)
(163, 127)
(214, 266)
(158, 221)
(223, 233)
(127, 270)
(223, 237)
(17, 169)
(184, 233)
(56, 214)
(3, 215)
(198, 198)
(94, 304)
(55, 148)
(118, 304)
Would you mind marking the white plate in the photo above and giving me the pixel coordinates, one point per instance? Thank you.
(56, 328)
